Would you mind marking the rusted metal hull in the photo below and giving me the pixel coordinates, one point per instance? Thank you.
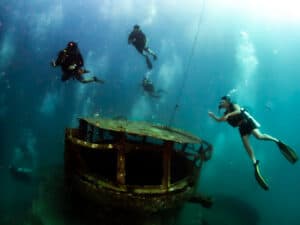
(133, 202)
(132, 173)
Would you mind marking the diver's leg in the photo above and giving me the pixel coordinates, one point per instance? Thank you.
(246, 143)
(148, 50)
(82, 71)
(144, 53)
(96, 79)
(286, 150)
(259, 178)
(160, 91)
(156, 95)
(65, 77)
(153, 54)
(84, 81)
(88, 80)
(149, 64)
(256, 132)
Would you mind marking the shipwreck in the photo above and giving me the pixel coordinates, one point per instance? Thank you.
(136, 166)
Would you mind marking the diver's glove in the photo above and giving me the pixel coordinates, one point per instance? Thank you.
(52, 63)
(72, 67)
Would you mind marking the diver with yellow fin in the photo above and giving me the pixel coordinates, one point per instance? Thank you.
(239, 117)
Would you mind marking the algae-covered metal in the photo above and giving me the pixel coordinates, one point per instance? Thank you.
(131, 165)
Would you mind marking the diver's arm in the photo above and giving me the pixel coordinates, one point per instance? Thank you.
(236, 111)
(131, 38)
(59, 59)
(218, 119)
(53, 63)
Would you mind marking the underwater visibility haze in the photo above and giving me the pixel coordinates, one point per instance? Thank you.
(205, 49)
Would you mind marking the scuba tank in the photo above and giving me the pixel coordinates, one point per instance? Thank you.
(248, 116)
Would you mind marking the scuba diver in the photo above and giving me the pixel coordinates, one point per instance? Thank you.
(22, 165)
(139, 40)
(71, 62)
(239, 117)
(148, 87)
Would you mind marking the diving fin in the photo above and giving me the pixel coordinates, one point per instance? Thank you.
(287, 152)
(96, 79)
(149, 64)
(85, 71)
(82, 71)
(261, 181)
(154, 57)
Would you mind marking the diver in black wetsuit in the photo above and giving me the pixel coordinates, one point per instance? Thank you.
(239, 117)
(148, 87)
(138, 39)
(71, 62)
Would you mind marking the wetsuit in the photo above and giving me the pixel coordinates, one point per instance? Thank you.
(68, 57)
(138, 39)
(241, 120)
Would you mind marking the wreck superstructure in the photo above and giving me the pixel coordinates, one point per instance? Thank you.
(137, 166)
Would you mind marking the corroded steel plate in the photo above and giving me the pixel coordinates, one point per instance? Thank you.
(143, 129)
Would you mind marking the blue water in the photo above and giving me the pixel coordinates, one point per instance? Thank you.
(205, 49)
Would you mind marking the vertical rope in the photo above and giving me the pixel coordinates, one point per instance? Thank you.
(187, 68)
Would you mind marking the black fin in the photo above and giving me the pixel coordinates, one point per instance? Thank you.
(96, 79)
(287, 152)
(259, 178)
(149, 64)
